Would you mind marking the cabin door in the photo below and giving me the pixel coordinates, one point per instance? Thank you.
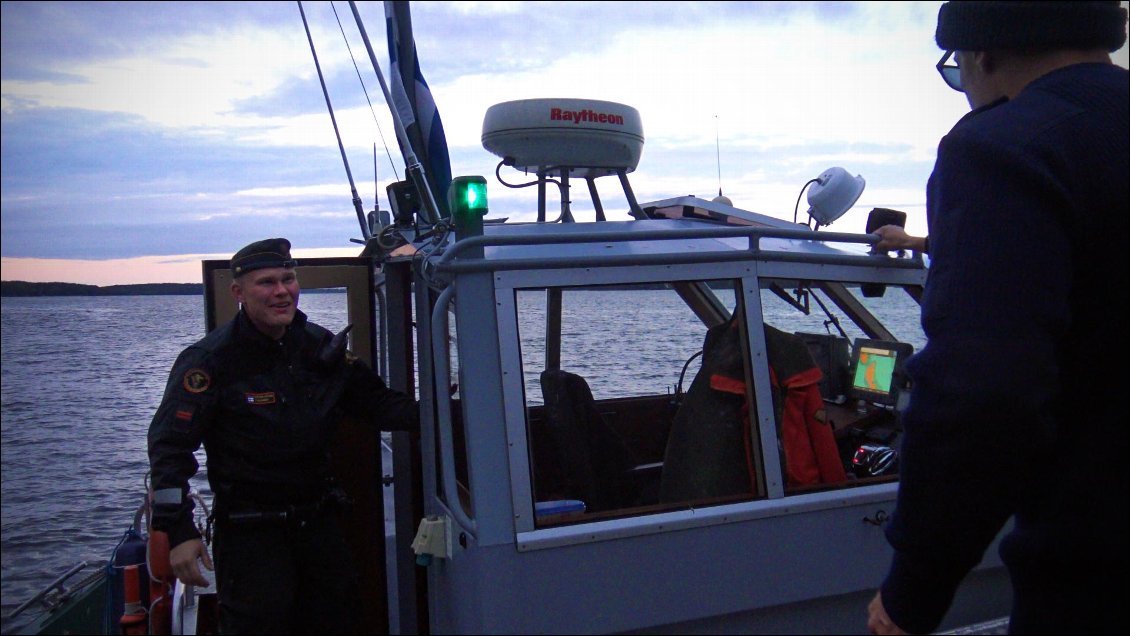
(337, 292)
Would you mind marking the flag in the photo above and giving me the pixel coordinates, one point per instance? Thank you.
(412, 99)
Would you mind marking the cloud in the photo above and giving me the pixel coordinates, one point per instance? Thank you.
(132, 129)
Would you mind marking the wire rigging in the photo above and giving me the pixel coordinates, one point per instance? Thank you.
(364, 89)
(365, 230)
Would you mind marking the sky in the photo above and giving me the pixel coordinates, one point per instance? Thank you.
(139, 138)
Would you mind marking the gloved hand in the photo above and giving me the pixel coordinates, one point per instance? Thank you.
(332, 351)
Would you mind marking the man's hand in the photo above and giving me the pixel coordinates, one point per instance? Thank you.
(877, 620)
(183, 560)
(404, 250)
(893, 237)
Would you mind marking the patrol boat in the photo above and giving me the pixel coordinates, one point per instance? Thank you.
(565, 493)
(686, 422)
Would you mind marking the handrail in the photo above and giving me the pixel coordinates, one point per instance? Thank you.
(682, 258)
(57, 584)
(441, 379)
(754, 233)
(447, 261)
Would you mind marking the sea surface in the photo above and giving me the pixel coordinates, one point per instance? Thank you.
(82, 376)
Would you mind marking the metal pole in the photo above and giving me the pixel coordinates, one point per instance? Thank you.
(415, 168)
(595, 199)
(353, 188)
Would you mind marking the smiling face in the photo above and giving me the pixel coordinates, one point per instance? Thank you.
(269, 296)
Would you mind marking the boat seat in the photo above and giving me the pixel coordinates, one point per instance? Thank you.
(709, 450)
(590, 458)
(706, 454)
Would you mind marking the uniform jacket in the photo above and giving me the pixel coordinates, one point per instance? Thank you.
(265, 412)
(1013, 410)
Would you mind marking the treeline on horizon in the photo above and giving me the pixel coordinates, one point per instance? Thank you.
(20, 288)
(24, 288)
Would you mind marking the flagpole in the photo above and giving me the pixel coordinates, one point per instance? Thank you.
(415, 168)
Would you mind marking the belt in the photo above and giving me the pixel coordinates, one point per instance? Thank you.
(297, 515)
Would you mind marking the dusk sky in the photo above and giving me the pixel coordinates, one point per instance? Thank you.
(138, 138)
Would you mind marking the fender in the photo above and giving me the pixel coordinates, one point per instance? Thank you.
(133, 612)
(161, 581)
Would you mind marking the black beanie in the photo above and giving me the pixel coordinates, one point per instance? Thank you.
(1033, 26)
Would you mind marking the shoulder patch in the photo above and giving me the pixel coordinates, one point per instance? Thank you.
(197, 380)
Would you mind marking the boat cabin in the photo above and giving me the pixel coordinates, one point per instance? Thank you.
(626, 425)
(683, 422)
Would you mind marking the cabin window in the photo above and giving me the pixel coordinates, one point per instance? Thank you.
(639, 398)
(619, 421)
(861, 388)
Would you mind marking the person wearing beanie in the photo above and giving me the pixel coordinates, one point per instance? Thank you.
(1014, 410)
(264, 394)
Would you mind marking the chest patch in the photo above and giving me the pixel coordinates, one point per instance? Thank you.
(258, 399)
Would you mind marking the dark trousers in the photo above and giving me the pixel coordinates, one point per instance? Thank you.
(285, 578)
(1083, 598)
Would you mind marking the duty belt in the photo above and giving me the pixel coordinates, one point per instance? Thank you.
(296, 515)
(289, 515)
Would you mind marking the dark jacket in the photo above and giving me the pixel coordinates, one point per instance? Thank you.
(1017, 400)
(265, 411)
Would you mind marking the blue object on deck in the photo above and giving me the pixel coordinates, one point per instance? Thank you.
(561, 506)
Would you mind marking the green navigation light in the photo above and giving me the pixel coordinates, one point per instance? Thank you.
(468, 195)
(476, 196)
(467, 200)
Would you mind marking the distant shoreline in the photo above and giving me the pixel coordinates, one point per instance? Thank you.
(18, 288)
(24, 289)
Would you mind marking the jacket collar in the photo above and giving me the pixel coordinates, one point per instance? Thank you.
(246, 333)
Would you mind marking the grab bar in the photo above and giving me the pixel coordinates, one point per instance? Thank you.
(442, 380)
(755, 234)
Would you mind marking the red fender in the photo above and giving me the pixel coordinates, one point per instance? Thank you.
(157, 555)
(133, 614)
(161, 581)
(160, 584)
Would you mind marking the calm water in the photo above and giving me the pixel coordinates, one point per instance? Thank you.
(81, 380)
(82, 377)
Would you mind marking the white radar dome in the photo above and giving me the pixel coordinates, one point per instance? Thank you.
(591, 137)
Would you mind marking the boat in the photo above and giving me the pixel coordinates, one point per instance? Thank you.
(737, 479)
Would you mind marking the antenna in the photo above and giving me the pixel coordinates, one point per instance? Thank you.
(378, 218)
(721, 198)
(718, 154)
(341, 147)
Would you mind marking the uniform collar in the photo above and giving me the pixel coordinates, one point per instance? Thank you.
(247, 333)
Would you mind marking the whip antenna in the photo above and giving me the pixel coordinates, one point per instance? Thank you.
(718, 155)
(353, 188)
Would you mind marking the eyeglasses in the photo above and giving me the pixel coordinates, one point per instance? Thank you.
(950, 73)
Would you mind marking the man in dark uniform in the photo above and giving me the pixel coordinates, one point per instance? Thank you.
(1014, 410)
(264, 393)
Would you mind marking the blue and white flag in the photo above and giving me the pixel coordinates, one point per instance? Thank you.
(413, 101)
